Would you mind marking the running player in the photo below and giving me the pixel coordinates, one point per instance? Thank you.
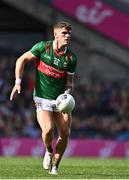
(55, 68)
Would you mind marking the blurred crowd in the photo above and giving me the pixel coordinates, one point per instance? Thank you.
(102, 108)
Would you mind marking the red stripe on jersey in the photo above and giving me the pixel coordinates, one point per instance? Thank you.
(49, 70)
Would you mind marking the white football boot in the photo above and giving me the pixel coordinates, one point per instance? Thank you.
(47, 160)
(53, 170)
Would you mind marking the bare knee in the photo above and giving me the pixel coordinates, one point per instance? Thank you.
(48, 132)
(64, 134)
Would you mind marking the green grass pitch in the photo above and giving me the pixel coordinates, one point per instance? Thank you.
(70, 168)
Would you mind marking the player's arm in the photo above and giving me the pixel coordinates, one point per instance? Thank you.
(69, 83)
(71, 67)
(19, 69)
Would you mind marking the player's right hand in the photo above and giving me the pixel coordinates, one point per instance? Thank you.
(16, 88)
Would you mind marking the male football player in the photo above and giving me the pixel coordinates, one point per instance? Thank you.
(55, 66)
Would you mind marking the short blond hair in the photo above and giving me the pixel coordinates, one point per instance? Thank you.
(62, 25)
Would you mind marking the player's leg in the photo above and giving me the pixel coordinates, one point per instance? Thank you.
(45, 121)
(63, 124)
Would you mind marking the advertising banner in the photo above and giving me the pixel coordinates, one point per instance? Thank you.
(76, 147)
(99, 16)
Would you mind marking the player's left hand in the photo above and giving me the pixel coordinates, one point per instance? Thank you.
(67, 91)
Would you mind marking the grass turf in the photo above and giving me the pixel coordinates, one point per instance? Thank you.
(70, 168)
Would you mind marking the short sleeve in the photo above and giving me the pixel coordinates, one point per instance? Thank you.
(71, 67)
(38, 48)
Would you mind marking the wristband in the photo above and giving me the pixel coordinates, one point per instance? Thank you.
(18, 81)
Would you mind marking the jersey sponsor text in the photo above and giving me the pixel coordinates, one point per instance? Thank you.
(49, 70)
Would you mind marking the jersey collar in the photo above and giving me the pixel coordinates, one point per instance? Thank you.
(57, 52)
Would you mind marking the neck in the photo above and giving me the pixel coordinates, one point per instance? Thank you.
(59, 49)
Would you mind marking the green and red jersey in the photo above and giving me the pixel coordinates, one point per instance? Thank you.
(51, 69)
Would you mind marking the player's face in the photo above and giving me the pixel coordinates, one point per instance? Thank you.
(63, 36)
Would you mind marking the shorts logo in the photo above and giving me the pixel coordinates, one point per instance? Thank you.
(38, 104)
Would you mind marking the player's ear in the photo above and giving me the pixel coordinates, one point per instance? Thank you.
(55, 34)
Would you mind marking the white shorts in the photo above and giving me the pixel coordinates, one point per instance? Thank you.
(44, 104)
